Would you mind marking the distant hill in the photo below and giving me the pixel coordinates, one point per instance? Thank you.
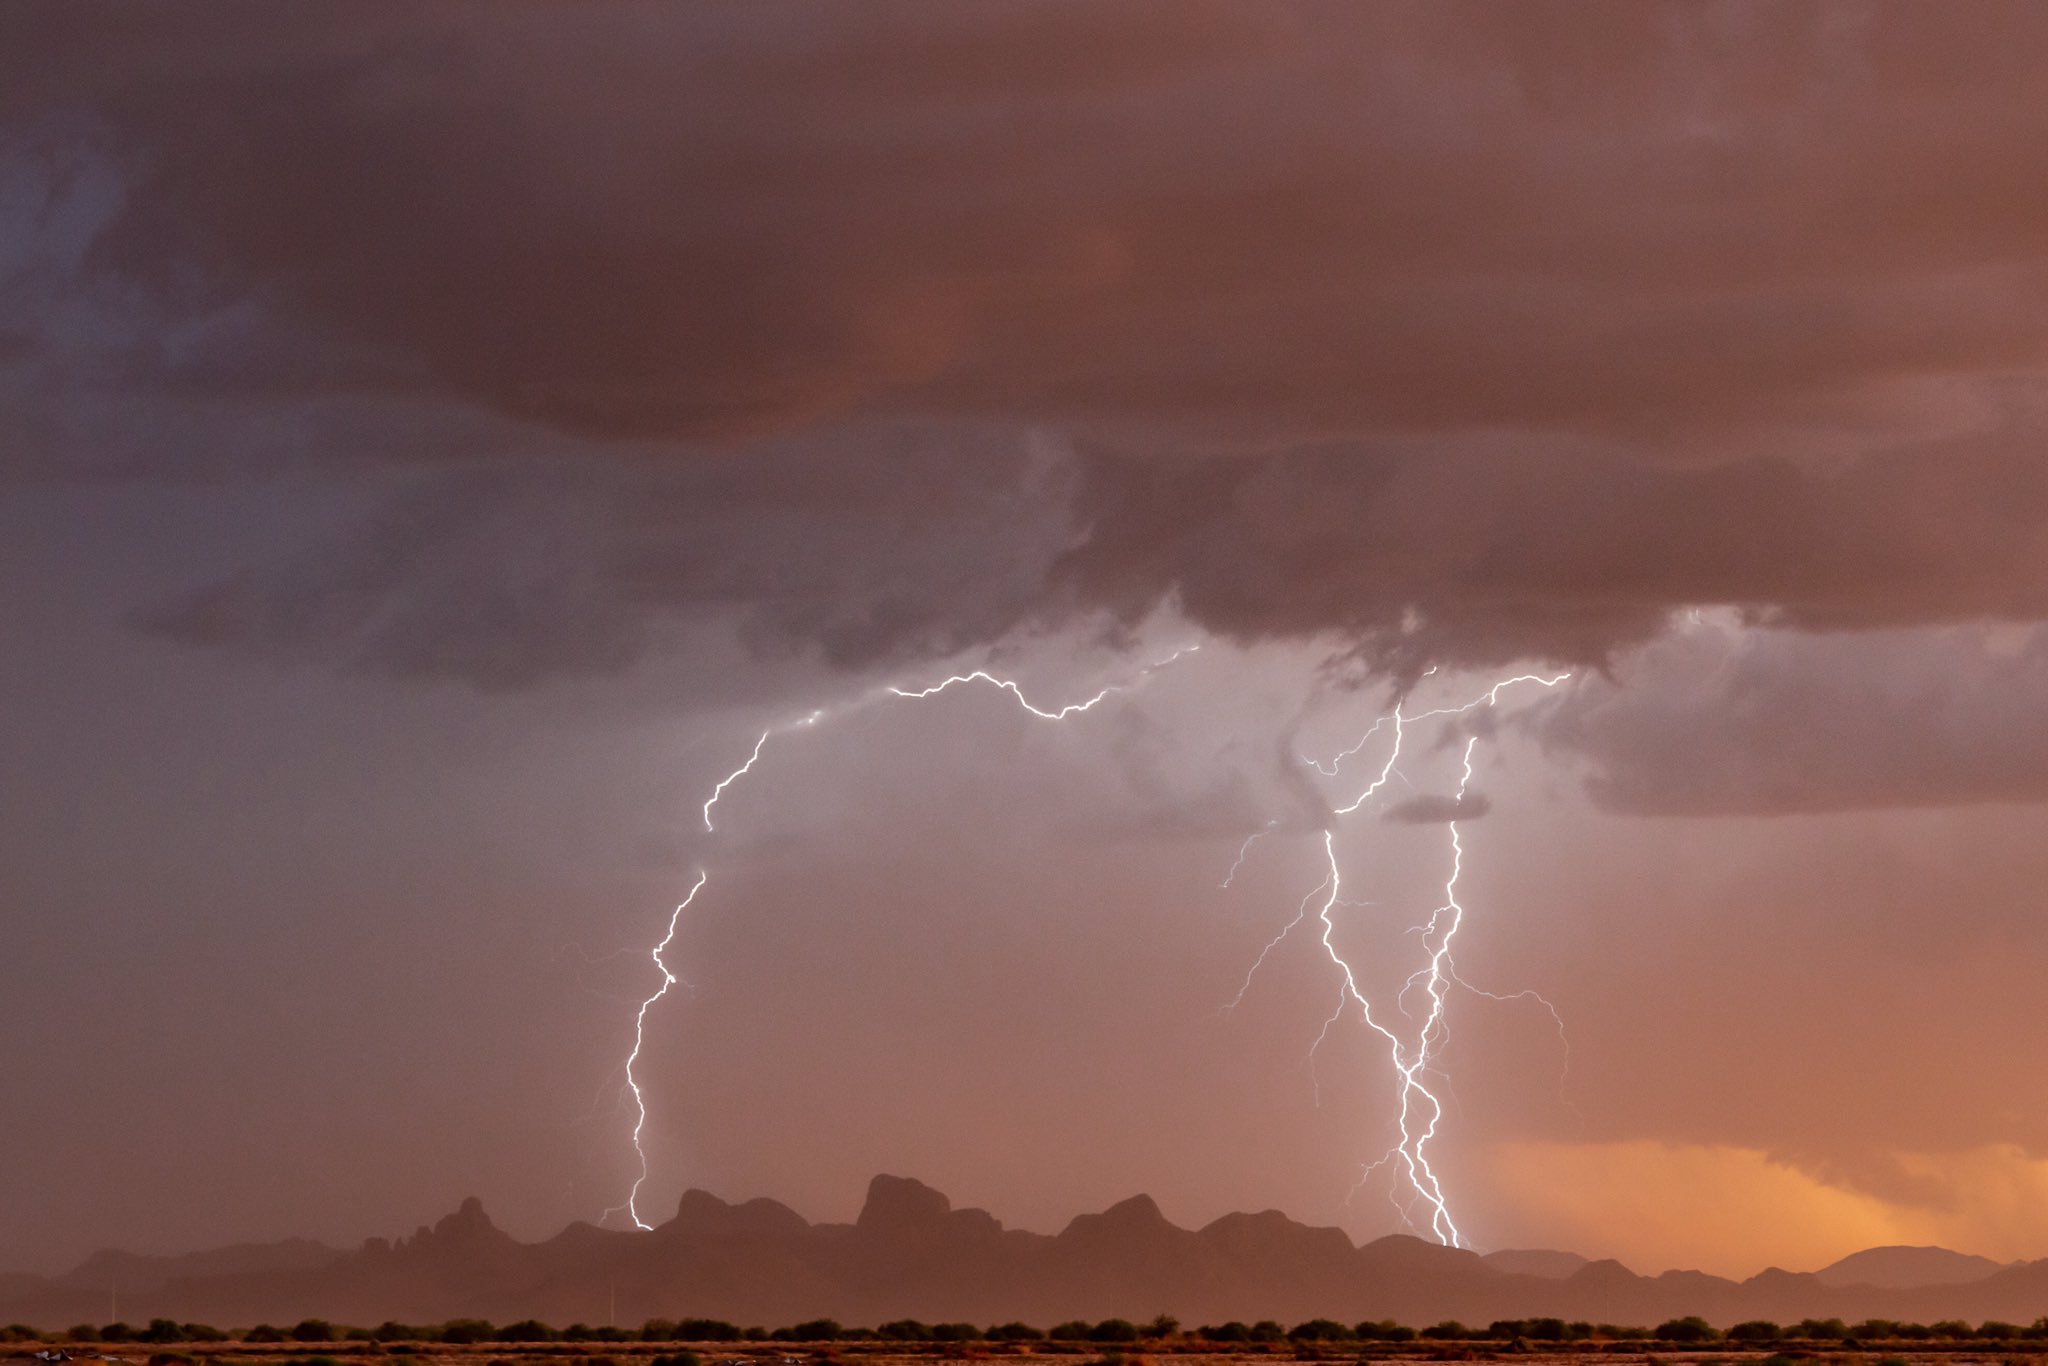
(910, 1254)
(1550, 1265)
(1899, 1268)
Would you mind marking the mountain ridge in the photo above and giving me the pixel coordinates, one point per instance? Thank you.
(911, 1254)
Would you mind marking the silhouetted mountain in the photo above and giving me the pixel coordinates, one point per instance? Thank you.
(1900, 1268)
(1550, 1265)
(910, 1254)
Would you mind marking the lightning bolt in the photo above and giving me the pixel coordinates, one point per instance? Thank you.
(1420, 1112)
(1242, 850)
(669, 979)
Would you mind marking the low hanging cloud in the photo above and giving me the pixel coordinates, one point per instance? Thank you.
(1711, 723)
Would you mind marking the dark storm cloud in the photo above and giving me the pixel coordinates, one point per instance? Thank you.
(1775, 722)
(1453, 333)
(508, 573)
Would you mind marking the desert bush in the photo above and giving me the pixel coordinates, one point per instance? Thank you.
(264, 1332)
(21, 1332)
(1383, 1330)
(170, 1359)
(955, 1332)
(116, 1332)
(1319, 1330)
(1755, 1330)
(905, 1330)
(1015, 1332)
(1233, 1331)
(677, 1359)
(1691, 1328)
(1995, 1330)
(526, 1330)
(312, 1330)
(1114, 1330)
(1450, 1330)
(817, 1330)
(1950, 1329)
(1819, 1330)
(462, 1332)
(706, 1330)
(1073, 1330)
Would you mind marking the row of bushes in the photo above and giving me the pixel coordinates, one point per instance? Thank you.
(1114, 1331)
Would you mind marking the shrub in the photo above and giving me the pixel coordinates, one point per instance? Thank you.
(706, 1330)
(1268, 1330)
(1996, 1331)
(264, 1332)
(1384, 1330)
(1691, 1328)
(1319, 1330)
(1114, 1330)
(1755, 1330)
(1073, 1330)
(462, 1332)
(1233, 1331)
(1450, 1330)
(392, 1331)
(955, 1332)
(905, 1330)
(526, 1330)
(1015, 1332)
(116, 1332)
(170, 1359)
(312, 1330)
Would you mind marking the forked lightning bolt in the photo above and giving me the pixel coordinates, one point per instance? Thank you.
(669, 979)
(1419, 1112)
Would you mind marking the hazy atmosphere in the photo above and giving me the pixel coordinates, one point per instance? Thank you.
(438, 441)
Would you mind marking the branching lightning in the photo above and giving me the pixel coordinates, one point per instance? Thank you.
(1412, 1044)
(1412, 1041)
(669, 979)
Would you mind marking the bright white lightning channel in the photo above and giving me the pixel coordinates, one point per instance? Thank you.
(1419, 1112)
(669, 979)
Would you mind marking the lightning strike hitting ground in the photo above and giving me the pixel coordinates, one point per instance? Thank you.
(1420, 1111)
(669, 979)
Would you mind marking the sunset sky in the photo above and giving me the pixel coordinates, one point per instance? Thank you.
(437, 440)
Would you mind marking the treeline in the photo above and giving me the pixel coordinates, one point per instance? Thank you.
(1160, 1332)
